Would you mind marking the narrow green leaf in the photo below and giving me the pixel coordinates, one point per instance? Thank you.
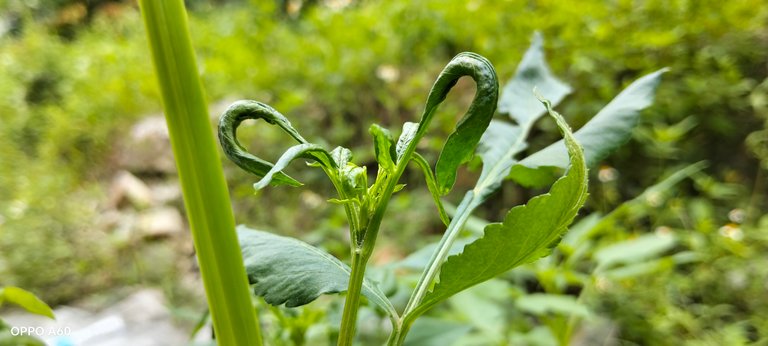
(228, 124)
(608, 130)
(432, 186)
(384, 147)
(288, 271)
(26, 300)
(307, 151)
(527, 233)
(517, 99)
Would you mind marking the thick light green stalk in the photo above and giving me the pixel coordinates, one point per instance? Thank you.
(205, 193)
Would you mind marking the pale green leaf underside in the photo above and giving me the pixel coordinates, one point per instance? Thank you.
(527, 233)
(26, 300)
(608, 130)
(288, 271)
(517, 100)
(307, 151)
(497, 148)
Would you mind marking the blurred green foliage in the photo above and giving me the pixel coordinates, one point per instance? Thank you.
(333, 67)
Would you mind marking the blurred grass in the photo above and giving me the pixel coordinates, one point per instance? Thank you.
(67, 97)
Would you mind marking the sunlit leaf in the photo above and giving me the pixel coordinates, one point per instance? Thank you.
(26, 300)
(527, 233)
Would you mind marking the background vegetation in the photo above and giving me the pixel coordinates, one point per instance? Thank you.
(76, 75)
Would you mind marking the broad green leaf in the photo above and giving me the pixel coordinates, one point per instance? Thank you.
(542, 303)
(527, 233)
(307, 151)
(233, 117)
(607, 131)
(26, 300)
(517, 99)
(288, 271)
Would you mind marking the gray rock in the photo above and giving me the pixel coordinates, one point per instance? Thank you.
(126, 187)
(160, 222)
(147, 147)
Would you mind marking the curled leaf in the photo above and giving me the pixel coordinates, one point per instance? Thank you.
(233, 117)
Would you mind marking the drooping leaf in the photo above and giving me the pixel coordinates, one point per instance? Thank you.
(517, 99)
(307, 151)
(527, 233)
(460, 144)
(26, 300)
(606, 131)
(288, 271)
(233, 117)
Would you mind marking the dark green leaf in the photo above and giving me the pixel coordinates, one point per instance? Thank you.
(461, 144)
(288, 271)
(517, 99)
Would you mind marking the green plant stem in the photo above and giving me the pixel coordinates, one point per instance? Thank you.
(463, 211)
(352, 301)
(202, 180)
